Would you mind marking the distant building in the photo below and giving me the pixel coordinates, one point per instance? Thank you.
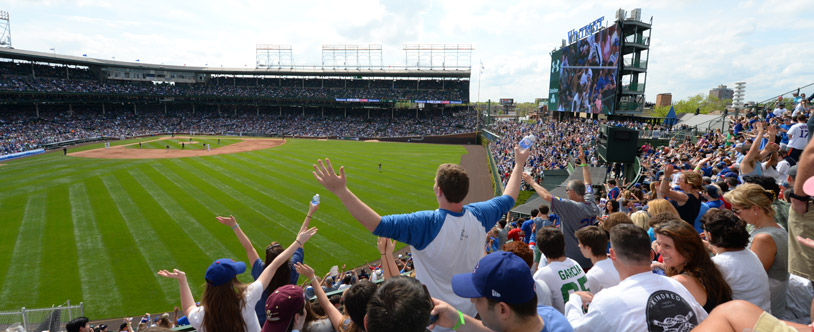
(722, 92)
(664, 99)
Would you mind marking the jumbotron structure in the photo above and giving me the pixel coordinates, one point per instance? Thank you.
(31, 79)
(602, 69)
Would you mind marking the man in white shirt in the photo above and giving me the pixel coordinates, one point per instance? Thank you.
(593, 241)
(798, 138)
(779, 111)
(643, 301)
(563, 275)
(445, 241)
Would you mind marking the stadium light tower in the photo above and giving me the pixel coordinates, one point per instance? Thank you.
(438, 56)
(352, 56)
(5, 29)
(270, 56)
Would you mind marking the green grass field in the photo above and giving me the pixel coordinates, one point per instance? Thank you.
(97, 230)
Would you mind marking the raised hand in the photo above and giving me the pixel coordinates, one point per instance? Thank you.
(528, 178)
(381, 242)
(521, 155)
(324, 173)
(305, 270)
(581, 155)
(669, 170)
(175, 274)
(303, 236)
(228, 221)
(447, 315)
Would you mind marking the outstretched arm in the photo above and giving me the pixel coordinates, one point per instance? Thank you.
(311, 210)
(389, 266)
(544, 194)
(187, 302)
(586, 173)
(664, 188)
(332, 312)
(513, 186)
(244, 240)
(755, 148)
(448, 317)
(282, 258)
(337, 184)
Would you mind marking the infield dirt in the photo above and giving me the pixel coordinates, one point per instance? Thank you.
(121, 152)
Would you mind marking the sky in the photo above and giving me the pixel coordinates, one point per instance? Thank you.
(695, 45)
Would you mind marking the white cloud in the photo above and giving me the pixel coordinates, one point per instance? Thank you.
(696, 45)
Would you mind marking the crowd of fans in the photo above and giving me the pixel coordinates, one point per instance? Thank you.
(726, 214)
(22, 131)
(557, 142)
(28, 78)
(693, 246)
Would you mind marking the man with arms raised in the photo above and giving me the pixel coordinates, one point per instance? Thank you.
(445, 241)
(643, 301)
(575, 212)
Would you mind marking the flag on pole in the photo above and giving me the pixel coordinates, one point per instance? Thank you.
(481, 67)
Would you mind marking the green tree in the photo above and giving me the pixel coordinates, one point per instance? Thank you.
(689, 105)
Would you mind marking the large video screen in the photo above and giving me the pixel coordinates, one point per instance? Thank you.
(588, 73)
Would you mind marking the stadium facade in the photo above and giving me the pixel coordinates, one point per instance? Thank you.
(30, 79)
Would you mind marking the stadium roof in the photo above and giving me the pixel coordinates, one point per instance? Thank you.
(11, 53)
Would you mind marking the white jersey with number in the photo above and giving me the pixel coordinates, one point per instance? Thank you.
(798, 136)
(563, 279)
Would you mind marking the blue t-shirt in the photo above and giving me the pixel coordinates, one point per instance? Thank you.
(257, 269)
(613, 193)
(716, 204)
(554, 220)
(784, 137)
(554, 320)
(526, 228)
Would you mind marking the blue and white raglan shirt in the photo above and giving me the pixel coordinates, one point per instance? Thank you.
(445, 243)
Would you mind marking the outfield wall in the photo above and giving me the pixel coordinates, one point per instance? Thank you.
(21, 154)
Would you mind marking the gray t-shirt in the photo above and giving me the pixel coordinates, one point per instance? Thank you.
(573, 216)
(779, 272)
(502, 236)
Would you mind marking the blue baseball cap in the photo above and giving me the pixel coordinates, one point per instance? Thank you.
(500, 276)
(223, 270)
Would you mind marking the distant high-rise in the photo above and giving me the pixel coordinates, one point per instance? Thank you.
(722, 92)
(740, 92)
(664, 99)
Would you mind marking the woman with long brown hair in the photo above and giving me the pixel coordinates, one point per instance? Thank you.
(284, 274)
(687, 261)
(228, 304)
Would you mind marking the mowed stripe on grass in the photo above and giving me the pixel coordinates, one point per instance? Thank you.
(96, 231)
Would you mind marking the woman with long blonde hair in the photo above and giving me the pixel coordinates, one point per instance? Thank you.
(753, 204)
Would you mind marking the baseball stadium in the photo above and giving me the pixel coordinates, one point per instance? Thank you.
(123, 181)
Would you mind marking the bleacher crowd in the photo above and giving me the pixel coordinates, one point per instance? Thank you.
(709, 240)
(557, 142)
(38, 78)
(23, 131)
